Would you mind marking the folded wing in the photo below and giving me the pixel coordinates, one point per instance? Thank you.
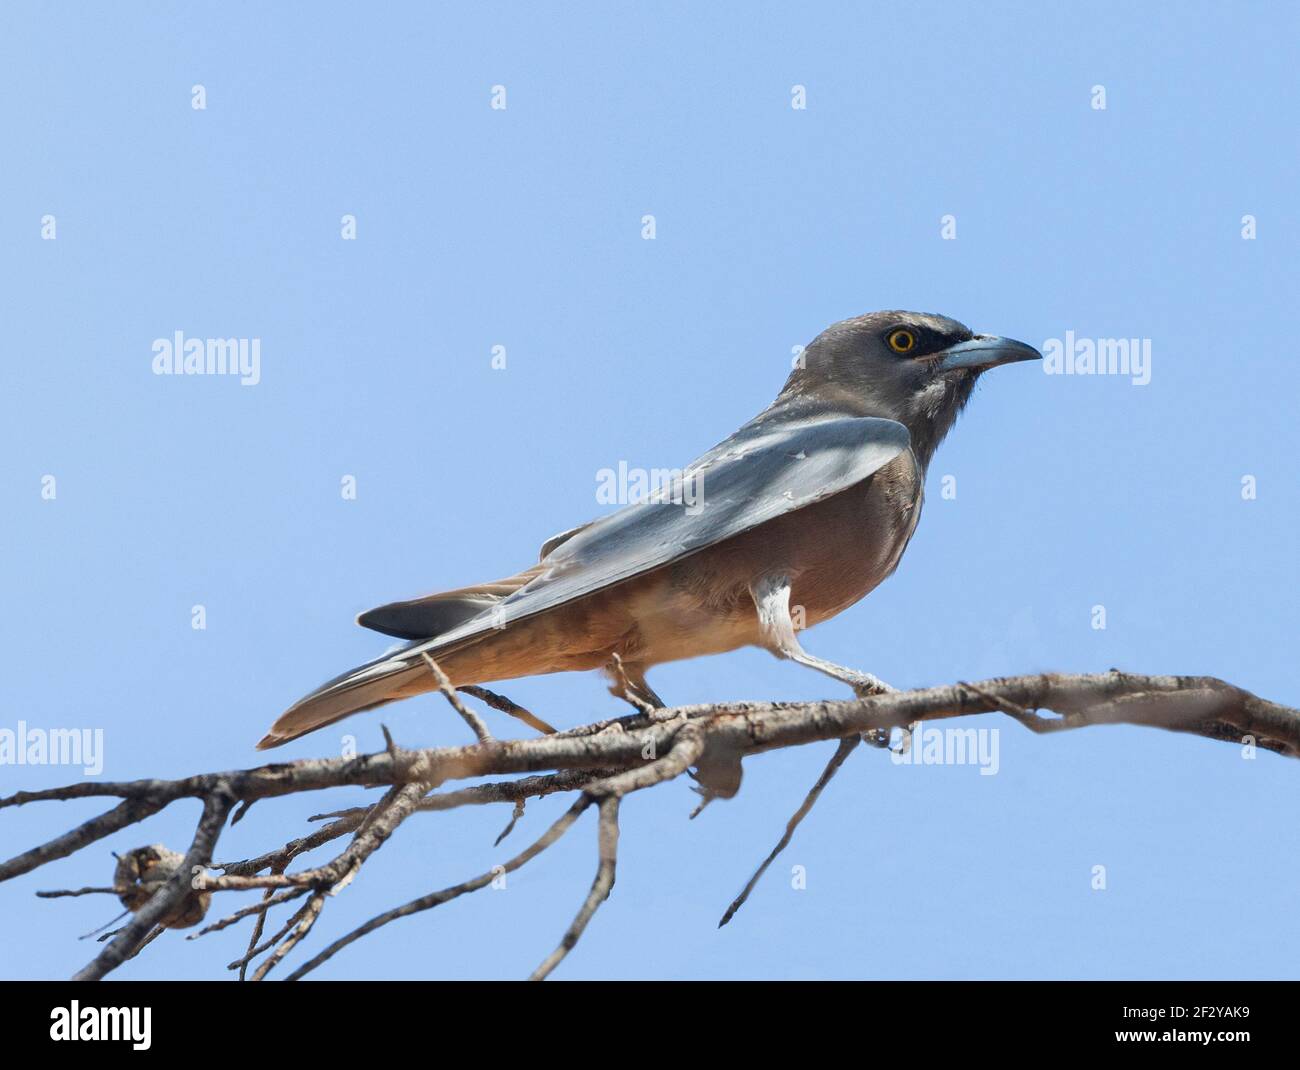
(753, 477)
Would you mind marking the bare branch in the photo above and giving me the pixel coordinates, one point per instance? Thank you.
(64, 893)
(846, 747)
(500, 702)
(127, 813)
(600, 887)
(269, 901)
(602, 761)
(306, 919)
(156, 911)
(471, 718)
(427, 902)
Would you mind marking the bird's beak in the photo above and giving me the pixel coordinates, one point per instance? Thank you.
(986, 351)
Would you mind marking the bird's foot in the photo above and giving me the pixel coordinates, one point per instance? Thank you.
(865, 685)
(877, 737)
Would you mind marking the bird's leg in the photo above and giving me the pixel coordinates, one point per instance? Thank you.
(648, 693)
(863, 683)
(718, 775)
(772, 599)
(628, 682)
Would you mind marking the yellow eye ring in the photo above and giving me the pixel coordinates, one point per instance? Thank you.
(901, 341)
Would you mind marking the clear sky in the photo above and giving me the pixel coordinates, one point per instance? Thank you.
(479, 227)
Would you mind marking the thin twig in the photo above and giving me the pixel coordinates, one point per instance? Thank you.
(270, 941)
(601, 886)
(153, 935)
(100, 928)
(846, 747)
(515, 815)
(271, 899)
(309, 915)
(505, 705)
(268, 899)
(469, 716)
(65, 892)
(427, 902)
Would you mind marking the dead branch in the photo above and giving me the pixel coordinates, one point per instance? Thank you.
(602, 762)
(847, 744)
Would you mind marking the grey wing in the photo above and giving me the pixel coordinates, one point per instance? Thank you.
(436, 614)
(758, 474)
(558, 540)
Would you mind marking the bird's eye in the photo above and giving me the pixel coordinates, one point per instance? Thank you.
(901, 341)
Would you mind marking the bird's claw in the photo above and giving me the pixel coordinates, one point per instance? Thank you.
(877, 737)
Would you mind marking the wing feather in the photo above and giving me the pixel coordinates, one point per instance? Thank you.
(755, 476)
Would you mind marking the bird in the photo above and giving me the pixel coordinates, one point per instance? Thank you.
(795, 517)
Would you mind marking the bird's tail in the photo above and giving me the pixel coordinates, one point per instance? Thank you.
(398, 674)
(376, 682)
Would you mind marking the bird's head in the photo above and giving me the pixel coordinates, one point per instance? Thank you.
(916, 368)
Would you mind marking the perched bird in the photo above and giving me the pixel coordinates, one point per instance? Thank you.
(791, 520)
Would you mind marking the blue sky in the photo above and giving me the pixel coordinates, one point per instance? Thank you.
(522, 228)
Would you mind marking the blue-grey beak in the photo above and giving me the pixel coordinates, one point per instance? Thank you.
(986, 351)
